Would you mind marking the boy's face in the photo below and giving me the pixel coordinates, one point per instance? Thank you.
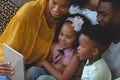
(107, 14)
(58, 8)
(67, 36)
(86, 47)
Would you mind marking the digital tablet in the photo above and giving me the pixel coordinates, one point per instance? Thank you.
(16, 60)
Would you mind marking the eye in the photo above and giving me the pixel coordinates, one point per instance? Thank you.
(68, 37)
(104, 14)
(61, 34)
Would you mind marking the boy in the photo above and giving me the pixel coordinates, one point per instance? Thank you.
(93, 42)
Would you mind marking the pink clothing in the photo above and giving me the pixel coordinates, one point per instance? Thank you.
(65, 58)
(80, 70)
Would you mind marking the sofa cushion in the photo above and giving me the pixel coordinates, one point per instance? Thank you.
(7, 11)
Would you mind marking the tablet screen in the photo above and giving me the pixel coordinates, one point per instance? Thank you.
(16, 60)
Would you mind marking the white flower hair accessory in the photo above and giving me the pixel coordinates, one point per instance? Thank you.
(77, 22)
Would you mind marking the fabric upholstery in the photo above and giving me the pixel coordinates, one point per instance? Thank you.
(7, 11)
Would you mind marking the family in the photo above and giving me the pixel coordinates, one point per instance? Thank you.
(65, 40)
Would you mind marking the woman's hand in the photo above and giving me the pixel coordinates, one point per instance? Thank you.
(6, 69)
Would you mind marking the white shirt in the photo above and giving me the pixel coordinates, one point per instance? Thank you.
(96, 71)
(91, 15)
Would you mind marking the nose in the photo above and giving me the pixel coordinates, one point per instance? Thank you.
(78, 48)
(99, 18)
(56, 8)
(63, 38)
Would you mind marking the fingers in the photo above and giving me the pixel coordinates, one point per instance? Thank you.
(6, 73)
(4, 64)
(6, 69)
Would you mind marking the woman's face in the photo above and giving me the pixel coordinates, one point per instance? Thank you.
(58, 8)
(67, 36)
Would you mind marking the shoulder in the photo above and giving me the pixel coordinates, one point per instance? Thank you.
(98, 70)
(31, 9)
(100, 66)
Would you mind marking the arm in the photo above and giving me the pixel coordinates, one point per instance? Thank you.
(60, 67)
(68, 72)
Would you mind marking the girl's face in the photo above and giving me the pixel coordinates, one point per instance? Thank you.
(58, 8)
(67, 36)
(86, 47)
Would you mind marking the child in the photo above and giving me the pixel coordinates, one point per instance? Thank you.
(63, 49)
(93, 42)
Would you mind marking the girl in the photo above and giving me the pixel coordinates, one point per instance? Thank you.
(64, 64)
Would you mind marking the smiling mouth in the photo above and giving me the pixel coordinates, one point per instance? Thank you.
(62, 44)
(56, 14)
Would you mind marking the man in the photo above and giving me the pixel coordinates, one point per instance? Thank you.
(109, 14)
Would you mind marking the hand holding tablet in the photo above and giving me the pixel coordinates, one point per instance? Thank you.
(16, 60)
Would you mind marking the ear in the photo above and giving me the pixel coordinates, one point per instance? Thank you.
(96, 51)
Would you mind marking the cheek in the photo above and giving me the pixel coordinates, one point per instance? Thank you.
(72, 41)
(59, 37)
(50, 6)
(84, 53)
(109, 19)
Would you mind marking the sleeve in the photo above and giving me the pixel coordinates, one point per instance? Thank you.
(13, 34)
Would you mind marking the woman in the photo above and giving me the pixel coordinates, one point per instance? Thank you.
(31, 30)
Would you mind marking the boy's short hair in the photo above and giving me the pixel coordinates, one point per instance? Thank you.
(100, 34)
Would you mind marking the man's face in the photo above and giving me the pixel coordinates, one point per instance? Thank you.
(107, 15)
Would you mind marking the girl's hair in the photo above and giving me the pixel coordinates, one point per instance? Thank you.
(81, 3)
(62, 20)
